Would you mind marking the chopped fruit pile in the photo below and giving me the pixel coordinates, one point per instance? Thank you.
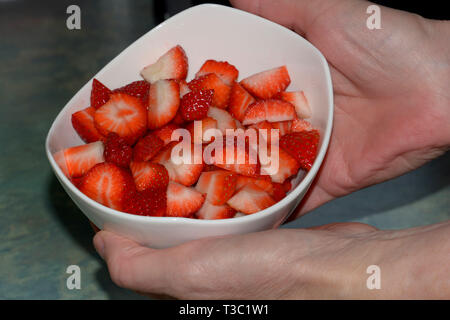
(128, 161)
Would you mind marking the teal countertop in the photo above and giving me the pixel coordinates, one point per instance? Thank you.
(42, 232)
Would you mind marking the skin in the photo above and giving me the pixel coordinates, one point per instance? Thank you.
(391, 116)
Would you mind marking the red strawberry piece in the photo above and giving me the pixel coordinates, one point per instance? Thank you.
(224, 119)
(99, 94)
(250, 199)
(211, 212)
(287, 167)
(76, 161)
(239, 161)
(278, 192)
(147, 147)
(299, 101)
(284, 127)
(184, 173)
(183, 201)
(198, 128)
(148, 175)
(124, 115)
(184, 88)
(146, 204)
(83, 123)
(212, 81)
(138, 89)
(302, 146)
(163, 104)
(266, 84)
(263, 129)
(107, 184)
(171, 65)
(262, 182)
(165, 132)
(240, 100)
(270, 110)
(195, 104)
(218, 186)
(225, 71)
(299, 125)
(117, 151)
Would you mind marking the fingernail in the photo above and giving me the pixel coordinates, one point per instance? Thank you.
(99, 245)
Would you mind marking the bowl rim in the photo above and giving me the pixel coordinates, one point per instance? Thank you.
(293, 194)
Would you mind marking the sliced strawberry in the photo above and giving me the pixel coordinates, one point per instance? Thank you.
(148, 175)
(124, 115)
(107, 184)
(171, 65)
(165, 132)
(213, 82)
(224, 119)
(83, 123)
(225, 71)
(284, 127)
(195, 104)
(184, 173)
(146, 204)
(184, 88)
(262, 182)
(117, 151)
(147, 147)
(287, 167)
(240, 100)
(250, 199)
(163, 104)
(99, 94)
(302, 146)
(299, 125)
(76, 161)
(240, 161)
(211, 212)
(218, 186)
(266, 84)
(183, 201)
(198, 128)
(261, 126)
(299, 101)
(270, 110)
(138, 89)
(278, 192)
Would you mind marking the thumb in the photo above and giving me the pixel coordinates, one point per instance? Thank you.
(131, 265)
(293, 14)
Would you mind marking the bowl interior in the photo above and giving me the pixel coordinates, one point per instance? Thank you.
(249, 42)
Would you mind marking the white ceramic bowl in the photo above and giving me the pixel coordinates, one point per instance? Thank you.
(247, 41)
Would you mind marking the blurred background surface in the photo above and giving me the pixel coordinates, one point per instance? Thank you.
(43, 64)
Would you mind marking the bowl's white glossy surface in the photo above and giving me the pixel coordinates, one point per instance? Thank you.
(250, 43)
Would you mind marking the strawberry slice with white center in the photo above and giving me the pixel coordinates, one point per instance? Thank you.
(107, 184)
(184, 173)
(266, 84)
(240, 100)
(218, 186)
(287, 167)
(211, 212)
(225, 71)
(299, 101)
(124, 115)
(83, 123)
(171, 65)
(271, 110)
(182, 201)
(211, 81)
(224, 119)
(76, 161)
(163, 103)
(148, 175)
(250, 199)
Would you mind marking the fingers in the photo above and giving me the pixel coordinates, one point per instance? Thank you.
(293, 14)
(131, 265)
(346, 227)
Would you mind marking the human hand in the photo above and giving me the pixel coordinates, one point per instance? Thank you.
(391, 97)
(327, 262)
